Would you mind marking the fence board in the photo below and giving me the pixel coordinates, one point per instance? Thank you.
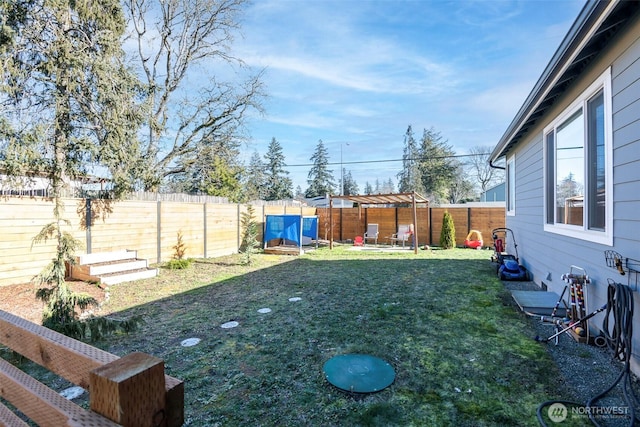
(186, 219)
(222, 229)
(125, 225)
(429, 222)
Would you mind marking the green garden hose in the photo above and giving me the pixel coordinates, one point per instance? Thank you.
(618, 337)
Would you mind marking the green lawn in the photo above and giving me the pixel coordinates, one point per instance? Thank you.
(463, 355)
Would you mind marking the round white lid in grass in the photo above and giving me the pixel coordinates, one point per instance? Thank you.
(229, 325)
(190, 342)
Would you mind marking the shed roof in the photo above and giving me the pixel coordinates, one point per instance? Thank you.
(598, 22)
(379, 199)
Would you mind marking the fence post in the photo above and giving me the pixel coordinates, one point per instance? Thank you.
(158, 231)
(430, 226)
(238, 228)
(130, 390)
(87, 223)
(204, 222)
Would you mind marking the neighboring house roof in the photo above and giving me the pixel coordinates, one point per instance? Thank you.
(496, 204)
(494, 194)
(595, 26)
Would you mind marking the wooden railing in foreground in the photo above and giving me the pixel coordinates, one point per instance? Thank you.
(128, 391)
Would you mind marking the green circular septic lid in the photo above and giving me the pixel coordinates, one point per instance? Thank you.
(359, 373)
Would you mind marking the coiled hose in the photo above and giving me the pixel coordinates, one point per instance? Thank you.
(618, 337)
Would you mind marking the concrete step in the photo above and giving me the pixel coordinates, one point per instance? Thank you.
(100, 257)
(112, 267)
(128, 276)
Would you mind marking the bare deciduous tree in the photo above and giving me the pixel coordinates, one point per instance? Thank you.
(180, 44)
(478, 163)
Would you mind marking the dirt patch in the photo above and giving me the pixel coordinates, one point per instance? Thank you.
(21, 299)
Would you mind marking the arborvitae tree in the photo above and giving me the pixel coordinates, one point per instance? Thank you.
(278, 185)
(409, 178)
(320, 178)
(255, 179)
(437, 165)
(448, 232)
(350, 185)
(179, 262)
(250, 243)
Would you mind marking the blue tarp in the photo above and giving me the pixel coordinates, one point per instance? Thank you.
(288, 227)
(310, 227)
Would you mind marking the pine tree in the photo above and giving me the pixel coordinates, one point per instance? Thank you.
(350, 185)
(448, 232)
(368, 189)
(409, 178)
(299, 194)
(215, 172)
(320, 178)
(72, 104)
(461, 188)
(278, 185)
(377, 188)
(255, 179)
(214, 169)
(388, 187)
(437, 166)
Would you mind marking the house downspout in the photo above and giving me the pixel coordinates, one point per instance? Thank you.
(496, 167)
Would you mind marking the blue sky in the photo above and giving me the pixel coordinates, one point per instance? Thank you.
(355, 74)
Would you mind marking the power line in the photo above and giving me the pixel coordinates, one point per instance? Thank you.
(360, 162)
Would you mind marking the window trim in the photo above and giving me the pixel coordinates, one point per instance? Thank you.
(603, 82)
(510, 193)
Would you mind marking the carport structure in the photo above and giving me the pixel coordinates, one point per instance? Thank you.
(412, 199)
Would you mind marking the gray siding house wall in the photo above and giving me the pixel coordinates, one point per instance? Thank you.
(547, 255)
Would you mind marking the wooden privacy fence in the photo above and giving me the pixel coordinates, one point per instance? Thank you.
(129, 391)
(208, 229)
(149, 227)
(351, 222)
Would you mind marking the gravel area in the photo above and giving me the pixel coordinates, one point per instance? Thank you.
(586, 370)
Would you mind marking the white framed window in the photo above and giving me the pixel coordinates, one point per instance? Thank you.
(578, 171)
(511, 185)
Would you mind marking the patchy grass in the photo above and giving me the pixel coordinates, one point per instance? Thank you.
(463, 355)
(461, 352)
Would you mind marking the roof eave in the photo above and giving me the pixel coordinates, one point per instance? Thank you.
(587, 22)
